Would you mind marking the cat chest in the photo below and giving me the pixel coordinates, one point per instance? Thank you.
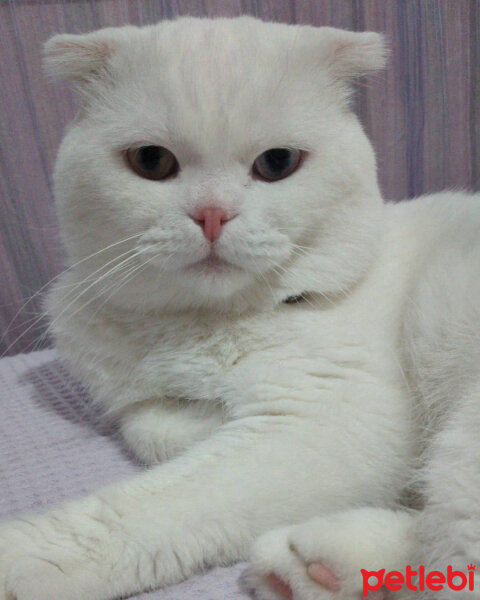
(298, 354)
(195, 365)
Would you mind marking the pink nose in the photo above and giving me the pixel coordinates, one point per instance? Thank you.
(211, 219)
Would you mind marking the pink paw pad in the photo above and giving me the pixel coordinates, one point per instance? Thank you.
(278, 585)
(324, 576)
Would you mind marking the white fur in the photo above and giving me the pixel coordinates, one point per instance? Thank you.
(344, 542)
(275, 413)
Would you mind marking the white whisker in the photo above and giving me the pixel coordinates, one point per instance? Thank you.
(50, 281)
(45, 314)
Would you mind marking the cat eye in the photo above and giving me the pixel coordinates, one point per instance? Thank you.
(277, 163)
(152, 162)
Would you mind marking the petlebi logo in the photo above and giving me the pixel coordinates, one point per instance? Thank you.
(419, 580)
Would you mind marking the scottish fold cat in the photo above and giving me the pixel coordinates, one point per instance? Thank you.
(286, 349)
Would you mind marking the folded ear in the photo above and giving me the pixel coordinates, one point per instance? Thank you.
(72, 57)
(353, 54)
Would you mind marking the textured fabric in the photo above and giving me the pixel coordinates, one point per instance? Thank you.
(53, 447)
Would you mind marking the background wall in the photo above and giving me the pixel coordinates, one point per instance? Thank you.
(422, 113)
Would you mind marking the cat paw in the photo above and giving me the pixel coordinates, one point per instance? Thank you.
(318, 560)
(56, 556)
(278, 570)
(30, 567)
(155, 433)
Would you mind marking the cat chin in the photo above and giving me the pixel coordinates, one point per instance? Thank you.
(213, 267)
(201, 286)
(208, 282)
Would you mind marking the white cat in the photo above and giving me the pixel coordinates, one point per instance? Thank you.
(214, 171)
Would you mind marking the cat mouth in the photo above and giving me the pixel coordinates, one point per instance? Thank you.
(212, 264)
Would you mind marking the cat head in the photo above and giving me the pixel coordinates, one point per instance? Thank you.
(216, 163)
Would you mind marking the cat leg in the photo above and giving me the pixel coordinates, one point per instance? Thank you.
(156, 431)
(449, 527)
(322, 558)
(202, 508)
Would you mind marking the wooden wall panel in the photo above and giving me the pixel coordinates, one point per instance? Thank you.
(422, 112)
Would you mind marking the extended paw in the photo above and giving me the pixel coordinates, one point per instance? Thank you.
(37, 563)
(318, 560)
(29, 567)
(278, 570)
(66, 554)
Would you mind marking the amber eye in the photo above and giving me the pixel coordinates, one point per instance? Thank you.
(277, 163)
(152, 162)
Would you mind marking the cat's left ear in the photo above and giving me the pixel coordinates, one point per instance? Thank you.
(350, 54)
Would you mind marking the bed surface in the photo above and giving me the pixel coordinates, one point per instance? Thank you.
(53, 447)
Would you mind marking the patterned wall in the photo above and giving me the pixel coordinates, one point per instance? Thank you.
(422, 112)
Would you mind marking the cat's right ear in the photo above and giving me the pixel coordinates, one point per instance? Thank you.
(80, 58)
(89, 62)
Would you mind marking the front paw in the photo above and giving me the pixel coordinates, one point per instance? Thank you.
(156, 432)
(317, 560)
(59, 556)
(36, 565)
(278, 571)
